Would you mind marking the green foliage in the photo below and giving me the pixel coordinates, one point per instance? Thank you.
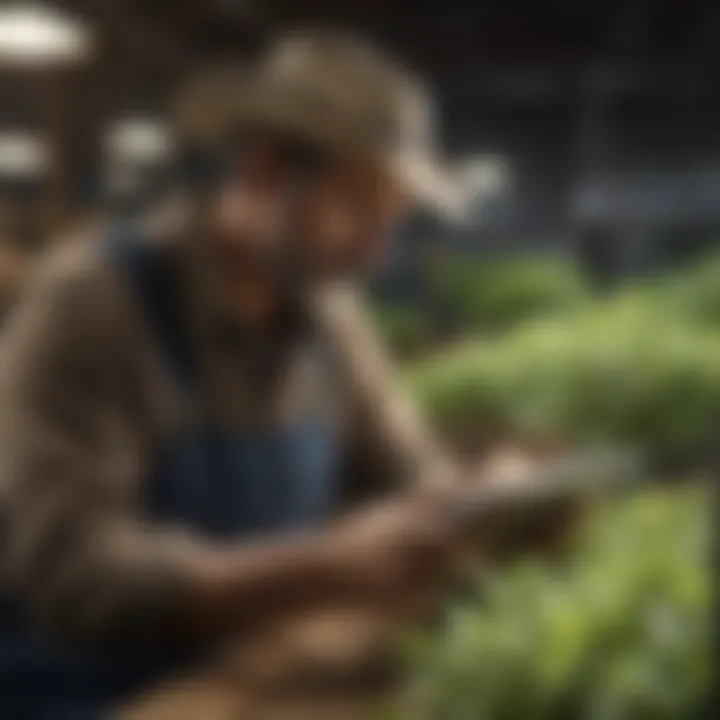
(480, 294)
(693, 293)
(619, 372)
(622, 632)
(404, 329)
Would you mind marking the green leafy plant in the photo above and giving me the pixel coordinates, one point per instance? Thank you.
(613, 373)
(620, 631)
(692, 293)
(481, 294)
(404, 329)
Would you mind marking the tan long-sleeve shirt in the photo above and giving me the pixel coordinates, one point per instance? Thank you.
(84, 400)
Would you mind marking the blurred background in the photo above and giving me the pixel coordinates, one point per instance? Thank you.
(589, 127)
(575, 298)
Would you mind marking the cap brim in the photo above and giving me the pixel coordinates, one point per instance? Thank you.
(431, 185)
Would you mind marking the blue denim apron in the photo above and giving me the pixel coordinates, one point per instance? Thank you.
(223, 483)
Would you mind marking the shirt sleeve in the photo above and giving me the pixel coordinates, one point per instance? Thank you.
(390, 444)
(74, 552)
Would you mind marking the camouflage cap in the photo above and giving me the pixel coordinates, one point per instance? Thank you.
(333, 90)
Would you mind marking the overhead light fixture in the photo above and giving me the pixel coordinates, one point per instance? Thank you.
(139, 141)
(23, 155)
(32, 34)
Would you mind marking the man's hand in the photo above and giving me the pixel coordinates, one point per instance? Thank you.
(396, 554)
(547, 527)
(396, 551)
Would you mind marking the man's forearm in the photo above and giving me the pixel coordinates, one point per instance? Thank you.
(241, 589)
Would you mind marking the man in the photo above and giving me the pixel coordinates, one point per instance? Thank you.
(12, 270)
(176, 408)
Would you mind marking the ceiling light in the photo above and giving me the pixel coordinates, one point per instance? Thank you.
(139, 140)
(32, 34)
(23, 155)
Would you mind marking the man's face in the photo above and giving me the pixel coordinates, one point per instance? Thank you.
(346, 216)
(336, 221)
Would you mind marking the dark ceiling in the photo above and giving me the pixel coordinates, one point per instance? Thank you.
(432, 34)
